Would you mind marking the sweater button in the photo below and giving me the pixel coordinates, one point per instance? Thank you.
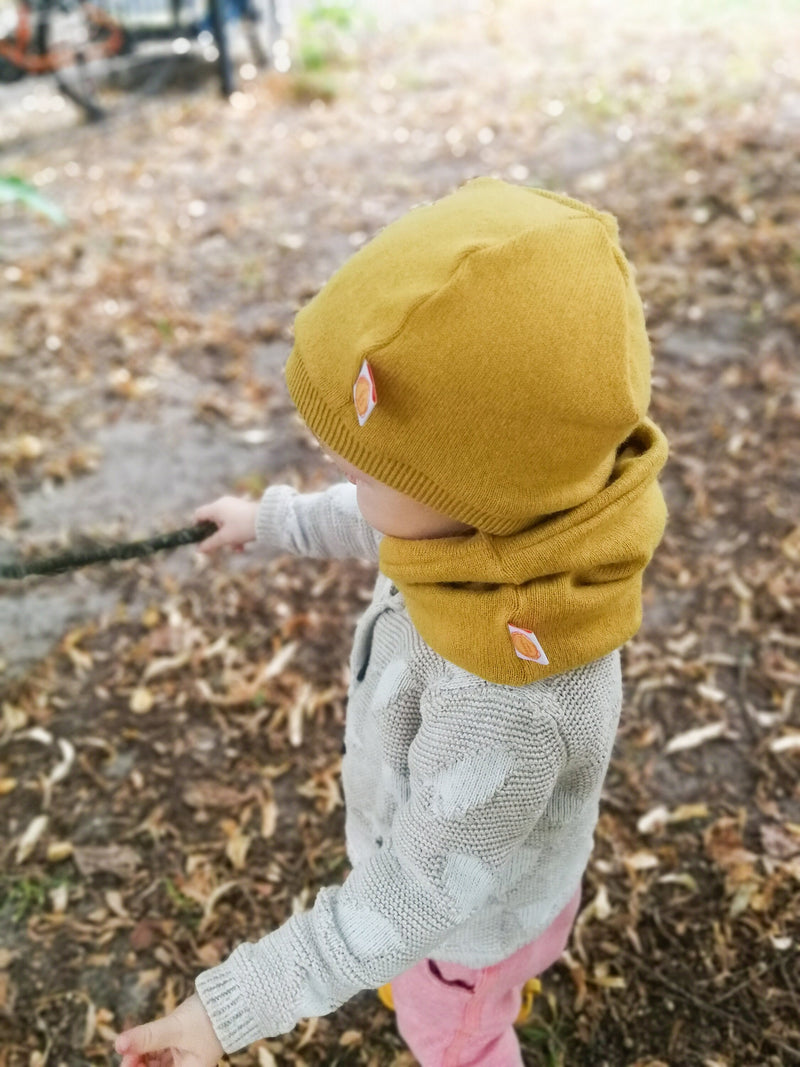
(393, 590)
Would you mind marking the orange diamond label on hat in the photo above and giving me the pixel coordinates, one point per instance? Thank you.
(526, 644)
(365, 395)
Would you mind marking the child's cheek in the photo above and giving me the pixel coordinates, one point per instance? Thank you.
(367, 505)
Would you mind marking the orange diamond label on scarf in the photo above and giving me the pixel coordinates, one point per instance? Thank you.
(365, 395)
(526, 644)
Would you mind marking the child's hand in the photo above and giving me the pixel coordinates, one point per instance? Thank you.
(236, 519)
(185, 1038)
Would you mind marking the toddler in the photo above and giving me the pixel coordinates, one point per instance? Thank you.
(480, 372)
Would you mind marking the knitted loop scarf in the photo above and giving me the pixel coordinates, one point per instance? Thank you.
(574, 580)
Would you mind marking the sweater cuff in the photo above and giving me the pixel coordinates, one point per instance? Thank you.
(220, 994)
(253, 993)
(271, 518)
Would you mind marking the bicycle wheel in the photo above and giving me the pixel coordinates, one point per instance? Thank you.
(106, 54)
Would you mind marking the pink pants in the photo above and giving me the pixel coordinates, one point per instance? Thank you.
(453, 1016)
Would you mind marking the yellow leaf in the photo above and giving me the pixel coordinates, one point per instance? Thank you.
(685, 812)
(790, 545)
(141, 700)
(58, 850)
(680, 878)
(7, 785)
(236, 849)
(14, 718)
(151, 617)
(24, 447)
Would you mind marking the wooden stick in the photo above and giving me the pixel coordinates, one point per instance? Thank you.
(71, 561)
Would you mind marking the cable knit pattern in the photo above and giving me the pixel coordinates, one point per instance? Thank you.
(471, 806)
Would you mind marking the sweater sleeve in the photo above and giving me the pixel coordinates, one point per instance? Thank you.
(481, 775)
(324, 525)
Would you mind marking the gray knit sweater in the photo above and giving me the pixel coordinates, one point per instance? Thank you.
(470, 806)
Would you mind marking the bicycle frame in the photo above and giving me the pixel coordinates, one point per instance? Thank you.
(29, 55)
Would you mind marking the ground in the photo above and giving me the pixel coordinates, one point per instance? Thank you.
(171, 729)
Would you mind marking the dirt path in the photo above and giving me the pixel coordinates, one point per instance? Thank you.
(140, 356)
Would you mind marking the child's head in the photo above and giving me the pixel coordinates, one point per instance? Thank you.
(484, 356)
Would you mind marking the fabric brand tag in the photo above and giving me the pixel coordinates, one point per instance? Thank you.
(526, 644)
(365, 395)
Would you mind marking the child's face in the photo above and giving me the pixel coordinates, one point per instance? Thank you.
(394, 513)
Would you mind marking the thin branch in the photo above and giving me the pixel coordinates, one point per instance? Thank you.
(70, 561)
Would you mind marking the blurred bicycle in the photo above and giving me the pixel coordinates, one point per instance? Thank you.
(105, 53)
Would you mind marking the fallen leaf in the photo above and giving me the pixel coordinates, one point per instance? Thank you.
(685, 812)
(114, 900)
(166, 663)
(6, 995)
(641, 861)
(653, 820)
(59, 898)
(119, 859)
(211, 794)
(63, 767)
(58, 851)
(142, 935)
(681, 878)
(724, 844)
(141, 700)
(790, 545)
(209, 954)
(30, 838)
(787, 743)
(779, 842)
(237, 847)
(269, 817)
(699, 736)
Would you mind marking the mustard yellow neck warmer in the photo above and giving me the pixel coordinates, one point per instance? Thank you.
(487, 355)
(574, 580)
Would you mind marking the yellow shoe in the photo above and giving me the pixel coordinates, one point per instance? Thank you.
(385, 996)
(529, 991)
(531, 988)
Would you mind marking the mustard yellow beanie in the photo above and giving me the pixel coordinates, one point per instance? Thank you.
(508, 347)
(487, 356)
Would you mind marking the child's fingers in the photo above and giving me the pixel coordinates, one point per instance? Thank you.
(149, 1059)
(132, 1061)
(205, 514)
(212, 543)
(152, 1037)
